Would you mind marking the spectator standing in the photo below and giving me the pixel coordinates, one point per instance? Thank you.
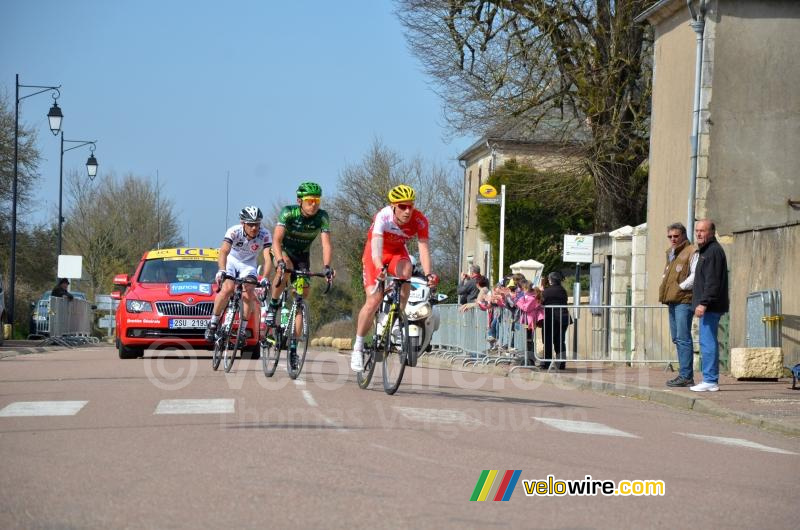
(709, 300)
(676, 293)
(60, 290)
(483, 299)
(556, 320)
(468, 287)
(531, 316)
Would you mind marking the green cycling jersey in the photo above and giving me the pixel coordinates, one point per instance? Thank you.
(301, 231)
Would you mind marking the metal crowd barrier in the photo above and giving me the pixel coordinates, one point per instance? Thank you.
(70, 322)
(595, 333)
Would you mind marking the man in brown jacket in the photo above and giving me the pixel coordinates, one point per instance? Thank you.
(676, 292)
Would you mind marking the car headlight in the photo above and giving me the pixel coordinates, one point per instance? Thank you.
(138, 306)
(418, 313)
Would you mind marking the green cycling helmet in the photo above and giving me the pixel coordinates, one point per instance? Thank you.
(309, 189)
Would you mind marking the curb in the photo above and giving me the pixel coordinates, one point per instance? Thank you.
(662, 397)
(27, 350)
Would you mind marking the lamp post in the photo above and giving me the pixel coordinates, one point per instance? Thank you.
(91, 168)
(54, 117)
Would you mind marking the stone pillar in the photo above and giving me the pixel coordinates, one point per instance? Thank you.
(621, 258)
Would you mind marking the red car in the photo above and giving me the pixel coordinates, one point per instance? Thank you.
(168, 302)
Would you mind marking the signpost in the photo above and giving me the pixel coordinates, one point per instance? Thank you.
(488, 195)
(577, 249)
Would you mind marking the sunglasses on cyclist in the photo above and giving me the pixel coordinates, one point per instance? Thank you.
(252, 225)
(312, 200)
(405, 207)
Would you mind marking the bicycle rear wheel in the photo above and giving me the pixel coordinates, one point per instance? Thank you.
(364, 377)
(394, 351)
(271, 351)
(298, 342)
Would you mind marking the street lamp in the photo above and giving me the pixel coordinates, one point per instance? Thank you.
(54, 117)
(91, 169)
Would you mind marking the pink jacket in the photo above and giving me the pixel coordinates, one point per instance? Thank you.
(531, 310)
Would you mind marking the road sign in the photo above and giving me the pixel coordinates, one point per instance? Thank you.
(485, 200)
(578, 249)
(488, 191)
(107, 322)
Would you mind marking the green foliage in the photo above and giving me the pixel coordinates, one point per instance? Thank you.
(540, 208)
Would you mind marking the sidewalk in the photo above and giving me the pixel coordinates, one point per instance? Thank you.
(767, 404)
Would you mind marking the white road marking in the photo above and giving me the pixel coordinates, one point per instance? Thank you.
(443, 416)
(195, 406)
(299, 382)
(42, 408)
(309, 398)
(584, 427)
(736, 442)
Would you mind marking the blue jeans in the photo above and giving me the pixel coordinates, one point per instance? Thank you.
(680, 329)
(709, 347)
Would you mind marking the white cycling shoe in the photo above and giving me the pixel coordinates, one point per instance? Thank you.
(357, 361)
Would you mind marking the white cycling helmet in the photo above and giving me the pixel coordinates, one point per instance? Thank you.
(251, 214)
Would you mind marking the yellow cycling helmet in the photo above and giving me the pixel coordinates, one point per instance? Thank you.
(402, 193)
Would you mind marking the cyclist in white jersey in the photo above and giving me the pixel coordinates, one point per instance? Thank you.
(238, 257)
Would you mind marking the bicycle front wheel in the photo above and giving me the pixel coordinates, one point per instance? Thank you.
(271, 351)
(395, 350)
(364, 377)
(235, 341)
(298, 342)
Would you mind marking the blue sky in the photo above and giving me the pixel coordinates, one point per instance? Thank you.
(272, 92)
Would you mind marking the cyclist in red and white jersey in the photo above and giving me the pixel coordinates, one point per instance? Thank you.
(238, 257)
(392, 227)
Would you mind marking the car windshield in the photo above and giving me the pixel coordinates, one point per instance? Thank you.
(177, 270)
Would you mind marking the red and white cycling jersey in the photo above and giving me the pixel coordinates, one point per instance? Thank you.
(394, 241)
(246, 250)
(394, 235)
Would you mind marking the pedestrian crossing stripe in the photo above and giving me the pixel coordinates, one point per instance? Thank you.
(42, 408)
(584, 427)
(195, 406)
(736, 442)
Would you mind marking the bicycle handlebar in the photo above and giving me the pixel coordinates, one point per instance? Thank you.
(306, 274)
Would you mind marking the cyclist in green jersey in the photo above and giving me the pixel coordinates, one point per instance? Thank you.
(297, 227)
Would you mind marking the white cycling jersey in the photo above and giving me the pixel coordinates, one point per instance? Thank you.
(243, 258)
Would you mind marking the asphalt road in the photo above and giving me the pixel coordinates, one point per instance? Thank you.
(164, 442)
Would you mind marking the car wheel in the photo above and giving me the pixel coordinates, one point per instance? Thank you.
(126, 352)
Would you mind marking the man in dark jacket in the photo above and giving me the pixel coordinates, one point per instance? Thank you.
(468, 288)
(60, 289)
(676, 292)
(709, 300)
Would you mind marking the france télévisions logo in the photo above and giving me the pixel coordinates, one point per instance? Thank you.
(491, 486)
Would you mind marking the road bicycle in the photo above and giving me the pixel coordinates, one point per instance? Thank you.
(230, 336)
(283, 336)
(390, 341)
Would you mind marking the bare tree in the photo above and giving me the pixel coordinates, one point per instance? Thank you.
(576, 71)
(113, 222)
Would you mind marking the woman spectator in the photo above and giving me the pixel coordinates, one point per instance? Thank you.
(531, 316)
(556, 320)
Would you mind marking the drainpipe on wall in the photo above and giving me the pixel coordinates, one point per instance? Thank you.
(698, 24)
(463, 165)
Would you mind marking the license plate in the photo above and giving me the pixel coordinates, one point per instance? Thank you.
(182, 323)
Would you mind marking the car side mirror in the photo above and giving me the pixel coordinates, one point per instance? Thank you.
(116, 295)
(122, 279)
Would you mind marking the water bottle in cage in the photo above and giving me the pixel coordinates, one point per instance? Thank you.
(381, 323)
(228, 318)
(284, 316)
